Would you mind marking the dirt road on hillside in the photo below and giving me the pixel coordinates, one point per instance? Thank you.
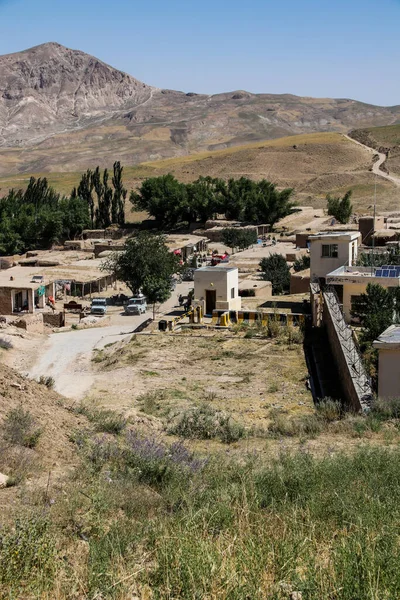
(376, 167)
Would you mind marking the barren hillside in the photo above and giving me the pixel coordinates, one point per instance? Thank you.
(62, 109)
(314, 165)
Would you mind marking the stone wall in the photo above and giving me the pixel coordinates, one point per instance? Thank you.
(31, 323)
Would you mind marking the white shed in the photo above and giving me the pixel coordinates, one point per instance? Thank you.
(217, 288)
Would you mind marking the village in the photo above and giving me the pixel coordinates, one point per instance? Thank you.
(66, 288)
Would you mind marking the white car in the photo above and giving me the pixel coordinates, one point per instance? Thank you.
(136, 306)
(98, 306)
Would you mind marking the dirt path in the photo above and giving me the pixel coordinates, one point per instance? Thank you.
(376, 167)
(67, 356)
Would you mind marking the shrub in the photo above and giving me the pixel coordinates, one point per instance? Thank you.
(329, 410)
(206, 423)
(293, 335)
(104, 420)
(47, 380)
(386, 409)
(20, 428)
(309, 425)
(27, 556)
(154, 462)
(151, 401)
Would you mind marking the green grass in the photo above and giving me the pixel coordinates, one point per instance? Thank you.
(159, 523)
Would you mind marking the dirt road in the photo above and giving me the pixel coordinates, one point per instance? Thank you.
(67, 356)
(376, 167)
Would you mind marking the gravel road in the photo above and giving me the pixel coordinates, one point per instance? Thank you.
(66, 356)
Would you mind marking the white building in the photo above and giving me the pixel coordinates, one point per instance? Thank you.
(331, 250)
(217, 288)
(388, 345)
(351, 282)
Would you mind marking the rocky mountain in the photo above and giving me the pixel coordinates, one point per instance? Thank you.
(62, 109)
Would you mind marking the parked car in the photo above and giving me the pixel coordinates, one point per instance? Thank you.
(98, 306)
(136, 306)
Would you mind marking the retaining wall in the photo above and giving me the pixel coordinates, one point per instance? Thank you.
(354, 381)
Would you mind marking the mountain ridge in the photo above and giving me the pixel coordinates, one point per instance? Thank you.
(53, 97)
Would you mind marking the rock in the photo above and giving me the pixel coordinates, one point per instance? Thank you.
(296, 596)
(3, 480)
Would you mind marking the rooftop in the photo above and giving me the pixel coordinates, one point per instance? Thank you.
(216, 269)
(344, 235)
(383, 273)
(389, 338)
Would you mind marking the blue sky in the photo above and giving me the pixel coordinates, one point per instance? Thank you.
(322, 48)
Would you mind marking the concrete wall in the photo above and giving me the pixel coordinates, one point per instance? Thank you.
(389, 373)
(222, 281)
(262, 289)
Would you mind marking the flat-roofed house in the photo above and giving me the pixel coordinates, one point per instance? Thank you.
(331, 250)
(23, 290)
(388, 346)
(351, 282)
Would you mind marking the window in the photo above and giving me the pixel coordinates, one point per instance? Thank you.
(329, 250)
(232, 292)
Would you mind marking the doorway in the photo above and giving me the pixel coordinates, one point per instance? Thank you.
(211, 300)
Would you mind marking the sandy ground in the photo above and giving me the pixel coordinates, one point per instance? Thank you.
(66, 356)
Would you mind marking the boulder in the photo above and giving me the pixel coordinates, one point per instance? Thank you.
(3, 480)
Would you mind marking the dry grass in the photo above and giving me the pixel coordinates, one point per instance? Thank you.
(232, 374)
(322, 163)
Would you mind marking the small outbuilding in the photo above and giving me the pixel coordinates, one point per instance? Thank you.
(388, 346)
(217, 288)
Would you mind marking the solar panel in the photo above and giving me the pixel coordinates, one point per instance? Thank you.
(385, 272)
(386, 266)
(392, 273)
(378, 273)
(397, 271)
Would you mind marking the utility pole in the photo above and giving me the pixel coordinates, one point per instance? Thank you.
(373, 234)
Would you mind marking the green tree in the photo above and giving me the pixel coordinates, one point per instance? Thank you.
(301, 263)
(205, 199)
(145, 265)
(164, 198)
(119, 196)
(38, 217)
(376, 310)
(340, 208)
(275, 269)
(237, 237)
(85, 191)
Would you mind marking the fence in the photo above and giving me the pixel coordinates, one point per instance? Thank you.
(346, 353)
